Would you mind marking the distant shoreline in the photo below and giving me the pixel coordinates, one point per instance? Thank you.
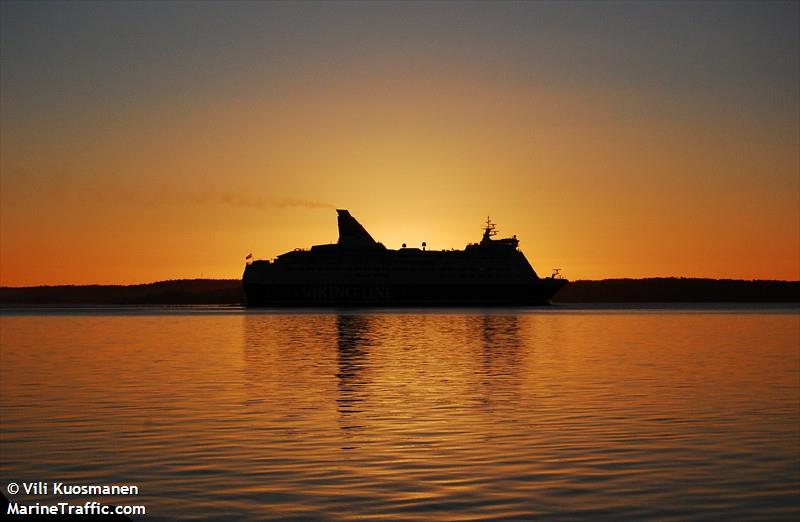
(229, 292)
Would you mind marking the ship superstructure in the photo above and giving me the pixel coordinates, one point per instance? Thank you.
(359, 271)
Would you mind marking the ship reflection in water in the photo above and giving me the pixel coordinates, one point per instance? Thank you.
(353, 344)
(445, 414)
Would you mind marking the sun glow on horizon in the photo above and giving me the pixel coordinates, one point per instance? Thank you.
(163, 157)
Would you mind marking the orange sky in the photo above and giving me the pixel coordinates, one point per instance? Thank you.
(159, 157)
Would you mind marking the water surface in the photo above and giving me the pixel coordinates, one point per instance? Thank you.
(450, 414)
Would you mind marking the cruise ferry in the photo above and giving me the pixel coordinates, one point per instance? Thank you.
(359, 271)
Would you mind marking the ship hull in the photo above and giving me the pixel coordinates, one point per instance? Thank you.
(357, 271)
(535, 293)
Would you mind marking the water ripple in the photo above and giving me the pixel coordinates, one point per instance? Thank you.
(451, 415)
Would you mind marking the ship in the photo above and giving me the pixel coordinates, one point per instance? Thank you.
(359, 271)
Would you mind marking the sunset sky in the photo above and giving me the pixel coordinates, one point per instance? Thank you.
(150, 141)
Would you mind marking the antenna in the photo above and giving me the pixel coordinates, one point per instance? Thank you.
(490, 227)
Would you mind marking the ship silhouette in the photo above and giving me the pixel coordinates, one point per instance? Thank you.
(359, 271)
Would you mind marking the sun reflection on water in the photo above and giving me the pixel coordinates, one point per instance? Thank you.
(405, 415)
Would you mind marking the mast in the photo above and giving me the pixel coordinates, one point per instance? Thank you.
(488, 231)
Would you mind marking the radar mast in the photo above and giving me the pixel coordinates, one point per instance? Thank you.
(488, 231)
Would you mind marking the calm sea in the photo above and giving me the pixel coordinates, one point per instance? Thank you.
(223, 413)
